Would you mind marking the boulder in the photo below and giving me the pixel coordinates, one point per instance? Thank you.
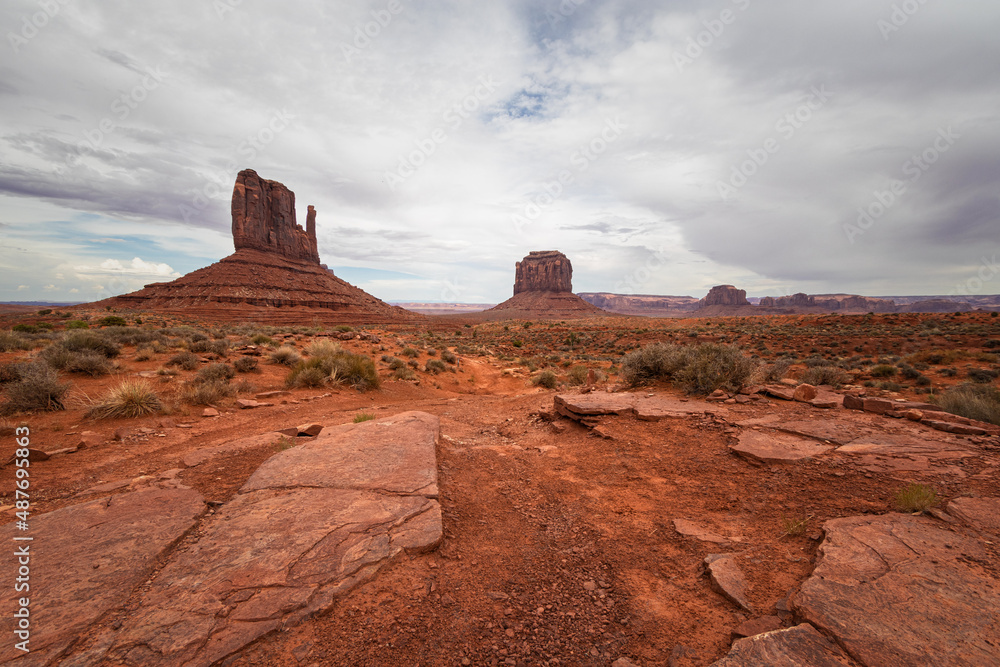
(801, 646)
(805, 393)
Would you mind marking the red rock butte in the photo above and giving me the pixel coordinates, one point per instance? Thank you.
(543, 288)
(274, 276)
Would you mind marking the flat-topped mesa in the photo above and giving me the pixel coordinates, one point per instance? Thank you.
(544, 271)
(725, 295)
(264, 219)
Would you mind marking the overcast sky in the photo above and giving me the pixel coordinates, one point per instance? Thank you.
(665, 147)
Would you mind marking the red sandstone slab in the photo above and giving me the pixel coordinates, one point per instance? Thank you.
(396, 454)
(85, 560)
(776, 447)
(899, 589)
(650, 408)
(801, 646)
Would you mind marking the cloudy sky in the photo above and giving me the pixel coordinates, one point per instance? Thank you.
(665, 147)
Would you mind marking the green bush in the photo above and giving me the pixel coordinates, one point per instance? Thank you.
(306, 375)
(131, 398)
(983, 375)
(577, 375)
(363, 417)
(261, 339)
(25, 328)
(973, 401)
(409, 352)
(335, 365)
(112, 321)
(246, 365)
(830, 375)
(714, 366)
(545, 379)
(77, 324)
(185, 360)
(215, 373)
(435, 366)
(286, 355)
(659, 361)
(882, 371)
(95, 341)
(38, 389)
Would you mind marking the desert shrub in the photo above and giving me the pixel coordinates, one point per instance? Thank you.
(219, 347)
(132, 335)
(409, 352)
(89, 363)
(396, 363)
(432, 352)
(545, 379)
(130, 398)
(246, 365)
(207, 393)
(993, 342)
(830, 375)
(889, 386)
(45, 311)
(77, 324)
(916, 498)
(286, 355)
(185, 360)
(982, 375)
(449, 357)
(577, 375)
(25, 328)
(882, 371)
(815, 362)
(112, 321)
(95, 341)
(363, 417)
(10, 372)
(308, 375)
(38, 388)
(908, 372)
(10, 342)
(776, 371)
(435, 366)
(324, 348)
(404, 373)
(713, 366)
(261, 339)
(356, 370)
(144, 354)
(974, 401)
(659, 361)
(215, 373)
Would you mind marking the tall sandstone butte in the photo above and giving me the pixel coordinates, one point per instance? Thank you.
(726, 295)
(544, 271)
(264, 219)
(274, 275)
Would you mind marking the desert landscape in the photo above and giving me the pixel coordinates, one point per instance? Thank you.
(260, 464)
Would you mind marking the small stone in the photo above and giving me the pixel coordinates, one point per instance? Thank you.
(309, 430)
(727, 579)
(209, 412)
(804, 393)
(590, 585)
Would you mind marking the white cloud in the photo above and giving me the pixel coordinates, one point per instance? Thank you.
(137, 267)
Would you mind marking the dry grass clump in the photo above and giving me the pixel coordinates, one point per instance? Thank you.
(973, 401)
(11, 341)
(659, 361)
(38, 388)
(916, 498)
(132, 397)
(286, 355)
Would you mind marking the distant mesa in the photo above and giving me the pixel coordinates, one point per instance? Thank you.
(725, 295)
(543, 288)
(808, 303)
(274, 276)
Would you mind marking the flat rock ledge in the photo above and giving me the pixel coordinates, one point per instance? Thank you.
(587, 407)
(313, 522)
(899, 589)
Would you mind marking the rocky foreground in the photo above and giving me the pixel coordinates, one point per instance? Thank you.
(585, 528)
